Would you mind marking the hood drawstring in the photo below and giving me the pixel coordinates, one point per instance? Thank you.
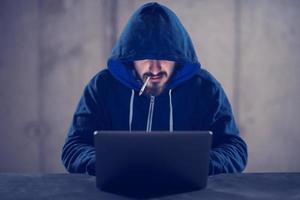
(170, 116)
(131, 109)
(171, 111)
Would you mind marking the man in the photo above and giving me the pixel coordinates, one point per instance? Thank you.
(154, 50)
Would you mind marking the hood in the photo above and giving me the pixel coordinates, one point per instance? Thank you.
(153, 32)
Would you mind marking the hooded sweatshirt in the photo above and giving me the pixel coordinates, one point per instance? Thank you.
(192, 99)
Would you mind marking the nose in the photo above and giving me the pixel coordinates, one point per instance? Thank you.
(155, 66)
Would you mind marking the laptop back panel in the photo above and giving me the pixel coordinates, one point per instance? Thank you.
(152, 160)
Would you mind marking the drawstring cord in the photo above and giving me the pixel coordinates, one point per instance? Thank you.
(171, 111)
(131, 109)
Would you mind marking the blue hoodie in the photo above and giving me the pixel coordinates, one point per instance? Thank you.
(192, 99)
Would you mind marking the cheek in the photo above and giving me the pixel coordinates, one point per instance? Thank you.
(169, 70)
(140, 71)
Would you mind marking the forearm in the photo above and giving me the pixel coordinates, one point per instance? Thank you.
(228, 157)
(79, 156)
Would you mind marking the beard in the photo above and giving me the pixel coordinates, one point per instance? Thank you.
(155, 89)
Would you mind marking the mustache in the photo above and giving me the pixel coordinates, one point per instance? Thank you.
(149, 74)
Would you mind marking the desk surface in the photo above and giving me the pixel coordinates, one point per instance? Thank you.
(225, 186)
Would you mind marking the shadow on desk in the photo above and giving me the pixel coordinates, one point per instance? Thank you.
(144, 186)
(142, 193)
(146, 191)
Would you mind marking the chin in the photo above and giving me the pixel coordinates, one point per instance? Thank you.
(155, 90)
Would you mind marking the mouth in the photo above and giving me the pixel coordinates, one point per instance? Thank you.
(156, 78)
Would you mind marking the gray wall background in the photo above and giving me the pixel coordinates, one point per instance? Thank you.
(49, 50)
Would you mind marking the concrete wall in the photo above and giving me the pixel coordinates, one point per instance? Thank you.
(269, 102)
(50, 49)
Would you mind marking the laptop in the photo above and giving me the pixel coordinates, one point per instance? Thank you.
(146, 164)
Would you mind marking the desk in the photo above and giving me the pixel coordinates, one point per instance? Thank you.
(225, 186)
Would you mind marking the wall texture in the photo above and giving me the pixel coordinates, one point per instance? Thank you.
(50, 49)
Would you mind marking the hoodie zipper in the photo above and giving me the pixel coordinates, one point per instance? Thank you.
(150, 114)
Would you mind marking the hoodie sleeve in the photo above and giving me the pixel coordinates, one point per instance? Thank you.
(229, 151)
(78, 153)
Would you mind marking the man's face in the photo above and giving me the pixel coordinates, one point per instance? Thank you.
(159, 72)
